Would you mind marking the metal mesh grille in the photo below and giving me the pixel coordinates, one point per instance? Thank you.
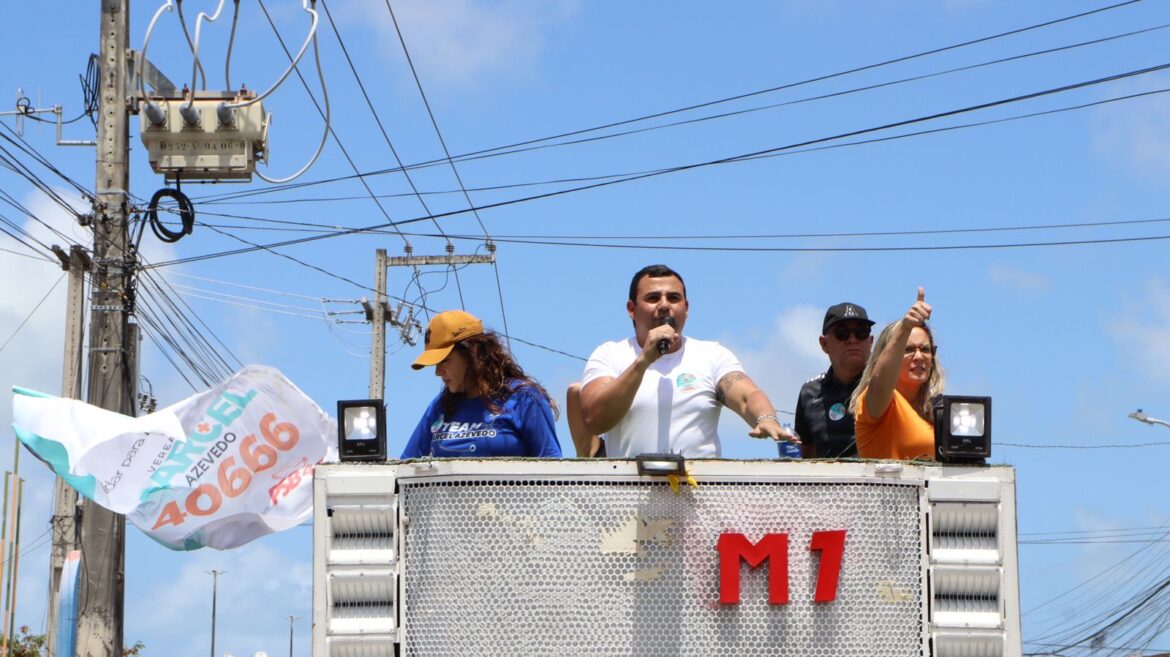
(604, 568)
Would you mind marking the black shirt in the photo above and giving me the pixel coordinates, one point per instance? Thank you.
(823, 420)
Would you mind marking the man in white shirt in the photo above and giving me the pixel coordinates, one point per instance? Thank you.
(661, 392)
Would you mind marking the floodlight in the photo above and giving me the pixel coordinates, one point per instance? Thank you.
(661, 465)
(361, 430)
(962, 428)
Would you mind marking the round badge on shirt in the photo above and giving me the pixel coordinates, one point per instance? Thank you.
(836, 411)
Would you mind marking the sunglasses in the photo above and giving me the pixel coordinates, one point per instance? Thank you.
(842, 333)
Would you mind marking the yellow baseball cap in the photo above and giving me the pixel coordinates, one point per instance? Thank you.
(443, 332)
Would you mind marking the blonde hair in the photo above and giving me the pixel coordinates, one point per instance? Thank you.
(934, 386)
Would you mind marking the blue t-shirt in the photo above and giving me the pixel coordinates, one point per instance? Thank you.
(523, 427)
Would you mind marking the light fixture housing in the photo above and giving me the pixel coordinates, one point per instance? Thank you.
(661, 465)
(962, 428)
(361, 430)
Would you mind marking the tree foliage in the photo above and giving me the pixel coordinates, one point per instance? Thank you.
(25, 644)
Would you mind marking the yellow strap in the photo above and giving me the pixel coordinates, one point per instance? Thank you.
(674, 481)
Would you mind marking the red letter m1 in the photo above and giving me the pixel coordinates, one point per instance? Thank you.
(733, 547)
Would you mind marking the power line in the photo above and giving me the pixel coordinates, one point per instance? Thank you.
(454, 170)
(374, 112)
(26, 255)
(704, 104)
(31, 313)
(777, 249)
(1082, 532)
(759, 108)
(1120, 446)
(332, 132)
(365, 287)
(389, 143)
(798, 151)
(261, 289)
(703, 164)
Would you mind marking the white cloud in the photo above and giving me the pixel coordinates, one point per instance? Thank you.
(176, 599)
(779, 358)
(1018, 280)
(460, 40)
(1143, 330)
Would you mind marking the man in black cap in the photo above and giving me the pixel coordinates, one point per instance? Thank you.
(823, 420)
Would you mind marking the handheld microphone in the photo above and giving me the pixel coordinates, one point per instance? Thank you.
(664, 344)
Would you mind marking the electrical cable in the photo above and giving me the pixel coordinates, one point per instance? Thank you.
(227, 63)
(577, 179)
(161, 281)
(167, 6)
(148, 332)
(454, 169)
(213, 365)
(377, 117)
(196, 67)
(27, 255)
(259, 304)
(324, 133)
(703, 164)
(842, 73)
(336, 139)
(797, 101)
(22, 232)
(1143, 564)
(292, 64)
(261, 289)
(31, 313)
(89, 88)
(366, 287)
(186, 215)
(32, 152)
(190, 46)
(1116, 446)
(239, 304)
(315, 228)
(858, 69)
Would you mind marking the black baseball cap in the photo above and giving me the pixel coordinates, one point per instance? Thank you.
(844, 311)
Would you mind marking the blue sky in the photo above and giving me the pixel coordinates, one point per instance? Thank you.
(1066, 339)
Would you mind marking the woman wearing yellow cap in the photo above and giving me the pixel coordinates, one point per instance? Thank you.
(488, 405)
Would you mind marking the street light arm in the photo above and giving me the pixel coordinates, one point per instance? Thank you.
(1141, 416)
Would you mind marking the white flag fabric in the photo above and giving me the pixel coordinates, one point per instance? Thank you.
(218, 469)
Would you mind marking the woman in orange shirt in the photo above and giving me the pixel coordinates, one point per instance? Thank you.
(894, 418)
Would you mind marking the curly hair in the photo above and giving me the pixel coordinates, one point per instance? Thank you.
(491, 371)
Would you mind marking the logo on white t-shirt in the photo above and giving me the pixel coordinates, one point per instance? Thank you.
(685, 381)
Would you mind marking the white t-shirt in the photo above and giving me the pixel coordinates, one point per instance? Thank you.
(675, 409)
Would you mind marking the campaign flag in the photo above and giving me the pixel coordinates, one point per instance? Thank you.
(218, 469)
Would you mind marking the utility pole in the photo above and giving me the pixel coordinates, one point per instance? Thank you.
(377, 316)
(64, 522)
(214, 593)
(379, 312)
(103, 533)
(291, 620)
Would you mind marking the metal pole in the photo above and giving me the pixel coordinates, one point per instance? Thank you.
(378, 320)
(4, 638)
(64, 521)
(99, 620)
(291, 619)
(214, 592)
(15, 565)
